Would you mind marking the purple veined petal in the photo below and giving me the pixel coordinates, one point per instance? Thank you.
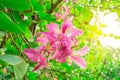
(62, 53)
(66, 41)
(79, 61)
(73, 32)
(32, 54)
(56, 44)
(61, 60)
(42, 40)
(53, 27)
(58, 57)
(66, 25)
(41, 64)
(42, 48)
(50, 36)
(82, 51)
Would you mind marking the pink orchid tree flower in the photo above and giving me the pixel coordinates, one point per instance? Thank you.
(35, 56)
(65, 12)
(57, 43)
(62, 40)
(77, 58)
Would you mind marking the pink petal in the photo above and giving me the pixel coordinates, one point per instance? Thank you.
(50, 36)
(71, 18)
(42, 48)
(65, 25)
(53, 27)
(82, 51)
(41, 64)
(75, 41)
(74, 0)
(33, 55)
(66, 41)
(67, 10)
(79, 61)
(61, 60)
(73, 32)
(61, 54)
(58, 15)
(42, 40)
(38, 34)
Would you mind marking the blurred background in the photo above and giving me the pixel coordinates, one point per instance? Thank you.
(100, 22)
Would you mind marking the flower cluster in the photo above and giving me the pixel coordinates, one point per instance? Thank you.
(57, 43)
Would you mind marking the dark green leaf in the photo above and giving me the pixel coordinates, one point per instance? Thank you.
(6, 24)
(46, 16)
(32, 76)
(19, 5)
(36, 5)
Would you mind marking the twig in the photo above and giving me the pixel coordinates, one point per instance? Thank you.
(54, 6)
(25, 40)
(3, 42)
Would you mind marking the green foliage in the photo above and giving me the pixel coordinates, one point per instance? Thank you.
(19, 5)
(20, 70)
(21, 20)
(18, 63)
(8, 25)
(46, 16)
(11, 59)
(36, 5)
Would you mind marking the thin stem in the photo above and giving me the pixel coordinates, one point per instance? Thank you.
(54, 6)
(25, 40)
(3, 42)
(44, 75)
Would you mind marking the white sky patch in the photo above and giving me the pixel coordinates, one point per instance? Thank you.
(113, 27)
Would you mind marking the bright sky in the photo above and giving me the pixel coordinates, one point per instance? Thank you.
(113, 26)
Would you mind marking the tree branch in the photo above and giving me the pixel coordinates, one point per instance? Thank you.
(54, 6)
(3, 42)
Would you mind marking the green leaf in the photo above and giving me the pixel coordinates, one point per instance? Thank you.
(36, 5)
(17, 17)
(6, 24)
(32, 76)
(86, 15)
(19, 5)
(46, 16)
(25, 29)
(20, 70)
(48, 6)
(18, 63)
(11, 59)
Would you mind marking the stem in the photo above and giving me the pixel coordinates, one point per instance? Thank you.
(3, 42)
(54, 6)
(25, 40)
(19, 49)
(44, 75)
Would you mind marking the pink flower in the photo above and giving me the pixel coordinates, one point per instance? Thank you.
(64, 13)
(77, 57)
(35, 56)
(61, 39)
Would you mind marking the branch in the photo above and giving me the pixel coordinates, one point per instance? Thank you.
(54, 6)
(3, 42)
